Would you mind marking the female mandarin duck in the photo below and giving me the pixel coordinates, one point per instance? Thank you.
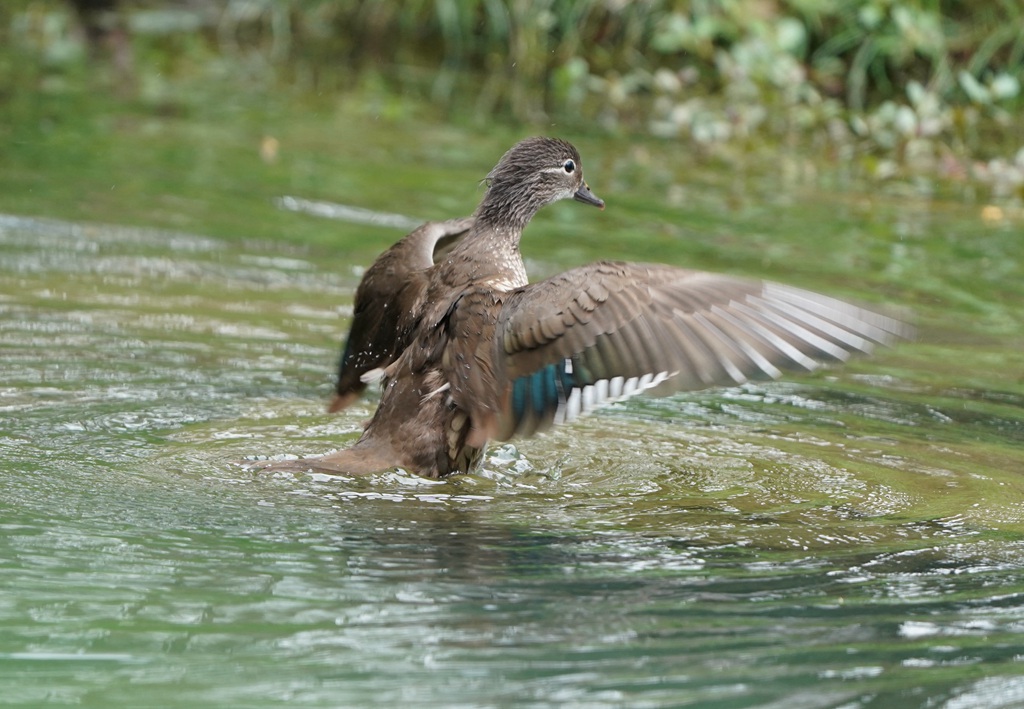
(468, 351)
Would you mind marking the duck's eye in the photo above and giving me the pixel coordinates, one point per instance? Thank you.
(569, 166)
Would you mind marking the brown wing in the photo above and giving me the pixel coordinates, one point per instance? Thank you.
(387, 302)
(607, 331)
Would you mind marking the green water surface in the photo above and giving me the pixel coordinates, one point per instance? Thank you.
(851, 538)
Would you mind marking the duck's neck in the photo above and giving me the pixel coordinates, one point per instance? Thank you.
(488, 255)
(508, 206)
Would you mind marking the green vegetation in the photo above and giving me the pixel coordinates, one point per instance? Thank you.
(922, 92)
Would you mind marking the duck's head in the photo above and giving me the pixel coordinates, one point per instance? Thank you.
(533, 173)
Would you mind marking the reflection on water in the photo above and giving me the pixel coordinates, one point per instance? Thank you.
(853, 539)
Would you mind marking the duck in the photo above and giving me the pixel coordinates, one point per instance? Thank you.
(468, 351)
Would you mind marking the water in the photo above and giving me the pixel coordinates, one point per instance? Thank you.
(848, 539)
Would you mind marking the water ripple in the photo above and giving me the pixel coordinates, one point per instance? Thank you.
(847, 533)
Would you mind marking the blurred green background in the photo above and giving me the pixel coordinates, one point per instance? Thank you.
(184, 96)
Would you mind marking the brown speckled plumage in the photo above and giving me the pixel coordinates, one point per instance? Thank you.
(474, 353)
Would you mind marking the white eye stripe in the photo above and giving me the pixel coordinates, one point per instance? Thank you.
(566, 168)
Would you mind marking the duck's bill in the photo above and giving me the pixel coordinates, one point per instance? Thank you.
(583, 194)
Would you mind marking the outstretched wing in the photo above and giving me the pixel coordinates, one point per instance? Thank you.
(387, 301)
(610, 330)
